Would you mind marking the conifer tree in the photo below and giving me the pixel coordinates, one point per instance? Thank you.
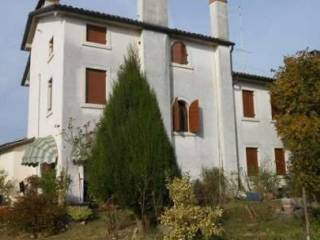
(132, 158)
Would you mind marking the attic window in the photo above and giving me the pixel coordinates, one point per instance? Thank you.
(179, 53)
(97, 34)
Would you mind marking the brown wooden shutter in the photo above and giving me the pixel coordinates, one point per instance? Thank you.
(248, 104)
(179, 53)
(280, 161)
(252, 161)
(96, 34)
(274, 111)
(175, 116)
(194, 117)
(95, 86)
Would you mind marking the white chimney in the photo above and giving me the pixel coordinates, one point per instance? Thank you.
(219, 19)
(50, 2)
(153, 11)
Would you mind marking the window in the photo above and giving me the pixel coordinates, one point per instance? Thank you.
(95, 86)
(274, 111)
(49, 103)
(252, 161)
(51, 46)
(280, 161)
(97, 34)
(179, 53)
(248, 104)
(186, 119)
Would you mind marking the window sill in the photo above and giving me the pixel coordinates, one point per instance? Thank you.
(51, 56)
(97, 45)
(246, 119)
(49, 113)
(184, 134)
(177, 65)
(93, 106)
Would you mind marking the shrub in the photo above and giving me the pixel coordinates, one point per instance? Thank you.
(186, 220)
(212, 189)
(132, 156)
(79, 213)
(265, 182)
(6, 188)
(36, 214)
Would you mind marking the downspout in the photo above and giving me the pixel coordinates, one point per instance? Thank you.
(235, 123)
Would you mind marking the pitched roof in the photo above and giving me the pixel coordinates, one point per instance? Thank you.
(10, 145)
(241, 76)
(117, 19)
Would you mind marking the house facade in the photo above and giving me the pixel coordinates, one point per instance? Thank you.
(213, 116)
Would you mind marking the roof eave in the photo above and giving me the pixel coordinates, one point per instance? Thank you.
(112, 18)
(246, 77)
(24, 81)
(8, 146)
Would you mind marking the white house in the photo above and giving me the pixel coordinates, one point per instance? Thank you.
(213, 116)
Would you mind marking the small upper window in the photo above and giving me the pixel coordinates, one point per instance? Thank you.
(97, 34)
(50, 92)
(51, 46)
(179, 53)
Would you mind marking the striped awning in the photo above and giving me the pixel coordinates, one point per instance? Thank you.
(42, 150)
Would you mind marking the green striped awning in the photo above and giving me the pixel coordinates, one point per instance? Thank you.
(42, 150)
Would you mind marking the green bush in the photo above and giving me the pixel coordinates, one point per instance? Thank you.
(212, 189)
(186, 219)
(132, 156)
(6, 187)
(36, 214)
(79, 213)
(265, 182)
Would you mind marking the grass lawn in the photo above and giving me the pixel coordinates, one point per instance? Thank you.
(242, 221)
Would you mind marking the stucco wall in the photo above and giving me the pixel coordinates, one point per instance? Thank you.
(259, 132)
(192, 82)
(10, 162)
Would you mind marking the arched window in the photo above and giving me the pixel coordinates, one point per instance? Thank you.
(179, 53)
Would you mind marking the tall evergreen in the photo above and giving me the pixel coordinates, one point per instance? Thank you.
(132, 158)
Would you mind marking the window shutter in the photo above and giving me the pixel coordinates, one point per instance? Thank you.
(274, 111)
(95, 86)
(280, 161)
(194, 117)
(252, 161)
(96, 34)
(248, 104)
(175, 116)
(179, 53)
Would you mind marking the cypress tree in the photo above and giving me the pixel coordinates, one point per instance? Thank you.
(132, 158)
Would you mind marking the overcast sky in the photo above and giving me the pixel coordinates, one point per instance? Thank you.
(264, 31)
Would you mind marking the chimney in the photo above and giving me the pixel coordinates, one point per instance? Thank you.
(153, 12)
(50, 2)
(219, 19)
